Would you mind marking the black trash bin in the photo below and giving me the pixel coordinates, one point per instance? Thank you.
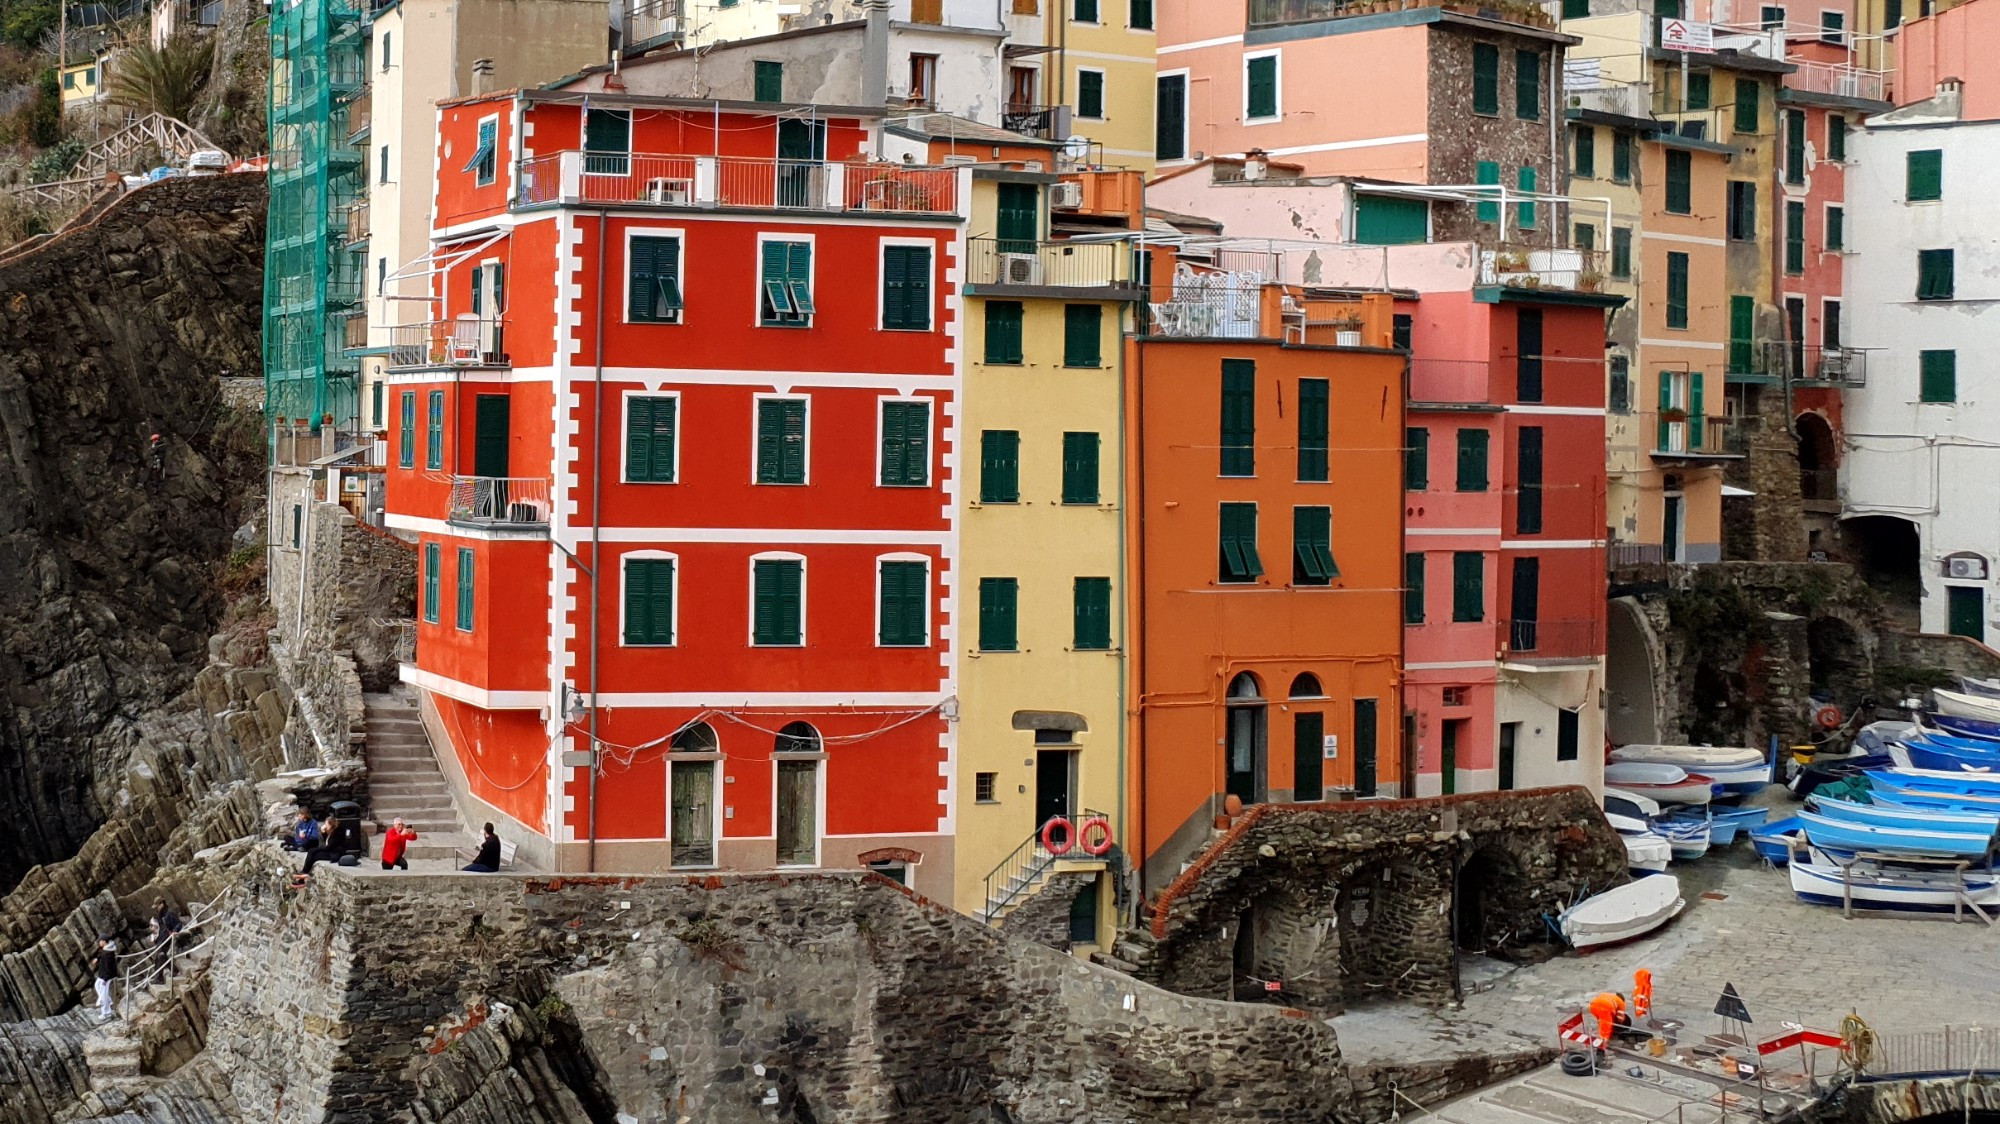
(347, 838)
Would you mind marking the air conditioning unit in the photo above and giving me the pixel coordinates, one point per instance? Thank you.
(1966, 569)
(1066, 196)
(1020, 269)
(667, 189)
(1833, 364)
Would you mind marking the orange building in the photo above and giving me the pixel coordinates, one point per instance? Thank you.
(1265, 508)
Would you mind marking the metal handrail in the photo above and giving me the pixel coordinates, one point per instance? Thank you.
(160, 958)
(1024, 867)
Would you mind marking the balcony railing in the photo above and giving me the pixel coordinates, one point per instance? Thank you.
(1045, 122)
(1676, 435)
(1819, 485)
(357, 222)
(1813, 364)
(711, 182)
(464, 342)
(1624, 555)
(500, 501)
(1051, 265)
(1837, 79)
(1207, 311)
(354, 334)
(360, 112)
(1277, 13)
(1538, 267)
(1555, 639)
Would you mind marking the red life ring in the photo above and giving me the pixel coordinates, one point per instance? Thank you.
(1828, 717)
(1049, 835)
(1083, 836)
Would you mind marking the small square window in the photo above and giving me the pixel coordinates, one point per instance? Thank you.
(984, 786)
(1455, 696)
(1055, 737)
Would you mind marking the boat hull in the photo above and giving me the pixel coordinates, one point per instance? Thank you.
(1966, 727)
(1966, 706)
(1774, 840)
(1822, 884)
(1620, 914)
(1925, 755)
(1979, 688)
(1825, 831)
(1664, 784)
(1896, 816)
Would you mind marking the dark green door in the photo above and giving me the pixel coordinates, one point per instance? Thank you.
(489, 440)
(1364, 747)
(1382, 220)
(1019, 219)
(1245, 779)
(1510, 734)
(801, 151)
(1967, 611)
(1308, 741)
(1448, 756)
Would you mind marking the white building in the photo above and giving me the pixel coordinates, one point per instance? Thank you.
(1923, 437)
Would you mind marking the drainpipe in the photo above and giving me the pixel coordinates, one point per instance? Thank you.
(1136, 522)
(875, 53)
(1125, 618)
(596, 525)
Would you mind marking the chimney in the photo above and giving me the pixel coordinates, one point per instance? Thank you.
(875, 53)
(1256, 165)
(482, 76)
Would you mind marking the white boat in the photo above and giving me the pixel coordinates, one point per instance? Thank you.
(1630, 803)
(1668, 784)
(1695, 758)
(1631, 910)
(1874, 886)
(1645, 849)
(1980, 688)
(1955, 705)
(1689, 839)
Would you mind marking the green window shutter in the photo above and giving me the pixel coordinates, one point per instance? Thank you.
(1584, 163)
(769, 80)
(787, 282)
(1524, 213)
(1312, 546)
(1468, 586)
(1661, 439)
(1698, 89)
(1528, 480)
(1695, 406)
(1018, 221)
(1836, 229)
(1240, 560)
(1261, 87)
(650, 425)
(1086, 11)
(1836, 138)
(432, 562)
(781, 441)
(653, 281)
(1938, 375)
(906, 288)
(406, 440)
(1140, 15)
(1677, 290)
(1079, 468)
(1380, 220)
(1924, 176)
(1313, 397)
(1621, 157)
(904, 593)
(1090, 94)
(776, 605)
(434, 432)
(1748, 94)
(649, 601)
(1619, 399)
(1621, 252)
(377, 404)
(1527, 85)
(1795, 236)
(1170, 117)
(906, 440)
(1742, 326)
(1082, 328)
(1093, 615)
(1239, 417)
(1472, 460)
(1935, 275)
(465, 588)
(1413, 589)
(1576, 9)
(999, 466)
(1416, 459)
(1795, 146)
(999, 613)
(1486, 79)
(1680, 182)
(1487, 174)
(1003, 331)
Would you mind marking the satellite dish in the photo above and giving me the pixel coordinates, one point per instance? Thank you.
(1075, 149)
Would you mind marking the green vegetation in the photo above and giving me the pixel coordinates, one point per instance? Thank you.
(168, 80)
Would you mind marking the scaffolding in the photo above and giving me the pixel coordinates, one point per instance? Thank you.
(312, 280)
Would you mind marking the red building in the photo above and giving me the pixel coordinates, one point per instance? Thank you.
(679, 446)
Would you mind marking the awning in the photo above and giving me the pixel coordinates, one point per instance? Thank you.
(436, 260)
(1732, 490)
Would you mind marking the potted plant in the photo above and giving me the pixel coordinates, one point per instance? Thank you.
(1510, 261)
(1590, 281)
(1346, 330)
(1674, 414)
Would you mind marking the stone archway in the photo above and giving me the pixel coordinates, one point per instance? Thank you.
(1819, 459)
(1631, 677)
(1887, 553)
(1394, 938)
(1486, 901)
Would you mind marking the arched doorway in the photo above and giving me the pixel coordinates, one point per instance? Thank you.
(692, 757)
(1308, 739)
(1243, 751)
(1836, 661)
(1632, 713)
(1819, 460)
(1886, 549)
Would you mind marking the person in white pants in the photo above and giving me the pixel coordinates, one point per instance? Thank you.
(104, 966)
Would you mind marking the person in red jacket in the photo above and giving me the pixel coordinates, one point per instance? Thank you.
(394, 844)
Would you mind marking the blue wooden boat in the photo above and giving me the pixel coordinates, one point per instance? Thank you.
(1724, 822)
(1896, 816)
(1966, 727)
(1826, 831)
(1819, 879)
(1949, 781)
(1953, 741)
(1982, 688)
(1774, 840)
(1935, 801)
(1950, 759)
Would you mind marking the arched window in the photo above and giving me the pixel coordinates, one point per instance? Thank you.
(1243, 749)
(1306, 686)
(698, 738)
(1245, 687)
(799, 737)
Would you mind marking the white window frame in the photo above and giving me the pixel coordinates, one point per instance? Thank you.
(1277, 86)
(930, 604)
(789, 396)
(1826, 223)
(1845, 31)
(478, 125)
(1834, 303)
(750, 575)
(625, 434)
(650, 556)
(882, 283)
(1071, 5)
(583, 134)
(757, 281)
(930, 426)
(1187, 96)
(675, 232)
(1103, 89)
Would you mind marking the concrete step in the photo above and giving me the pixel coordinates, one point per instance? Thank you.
(385, 758)
(379, 786)
(397, 741)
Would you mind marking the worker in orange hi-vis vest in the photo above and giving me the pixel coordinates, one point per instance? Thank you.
(1642, 994)
(1609, 1011)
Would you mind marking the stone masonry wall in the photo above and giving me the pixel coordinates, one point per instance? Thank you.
(1460, 139)
(1043, 917)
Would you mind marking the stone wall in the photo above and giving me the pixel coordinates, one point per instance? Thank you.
(1768, 525)
(1460, 139)
(1945, 1099)
(1044, 916)
(1951, 655)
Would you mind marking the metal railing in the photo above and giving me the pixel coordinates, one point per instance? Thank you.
(357, 222)
(1555, 639)
(464, 342)
(1819, 485)
(1619, 555)
(1813, 363)
(504, 501)
(1682, 435)
(1020, 871)
(1046, 122)
(1207, 312)
(710, 182)
(1838, 79)
(1056, 265)
(1950, 1049)
(1541, 267)
(159, 961)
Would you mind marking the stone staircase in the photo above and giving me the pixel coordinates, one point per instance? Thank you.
(404, 779)
(171, 1011)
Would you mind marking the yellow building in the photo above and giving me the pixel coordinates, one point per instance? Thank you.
(82, 82)
(1105, 70)
(1041, 589)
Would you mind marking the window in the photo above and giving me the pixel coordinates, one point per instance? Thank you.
(777, 602)
(1139, 16)
(1698, 89)
(999, 466)
(1413, 589)
(1170, 117)
(1472, 460)
(768, 80)
(1416, 459)
(69, 80)
(1468, 586)
(1924, 176)
(387, 42)
(1584, 163)
(1829, 324)
(984, 786)
(1003, 332)
(1833, 27)
(377, 407)
(466, 588)
(906, 441)
(1680, 182)
(1934, 275)
(1487, 174)
(1455, 697)
(1772, 17)
(1079, 468)
(1402, 328)
(1313, 395)
(484, 165)
(1795, 146)
(1568, 734)
(1621, 252)
(1528, 471)
(1892, 14)
(653, 281)
(906, 288)
(1092, 631)
(1090, 94)
(381, 276)
(1937, 376)
(999, 613)
(787, 284)
(923, 79)
(1621, 157)
(1742, 332)
(434, 432)
(1586, 238)
(1083, 326)
(1239, 417)
(382, 165)
(1312, 546)
(1677, 289)
(1747, 94)
(1836, 229)
(1524, 213)
(903, 595)
(406, 439)
(1486, 79)
(1795, 236)
(649, 601)
(432, 562)
(1575, 9)
(781, 441)
(1620, 398)
(1240, 560)
(651, 449)
(1836, 138)
(1260, 87)
(1528, 357)
(1743, 210)
(1086, 11)
(1527, 85)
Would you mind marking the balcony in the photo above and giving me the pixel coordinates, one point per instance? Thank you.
(1678, 436)
(1812, 365)
(500, 502)
(357, 223)
(1837, 80)
(354, 336)
(1104, 270)
(727, 182)
(360, 113)
(1278, 13)
(464, 342)
(1043, 122)
(1819, 486)
(1553, 641)
(1541, 267)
